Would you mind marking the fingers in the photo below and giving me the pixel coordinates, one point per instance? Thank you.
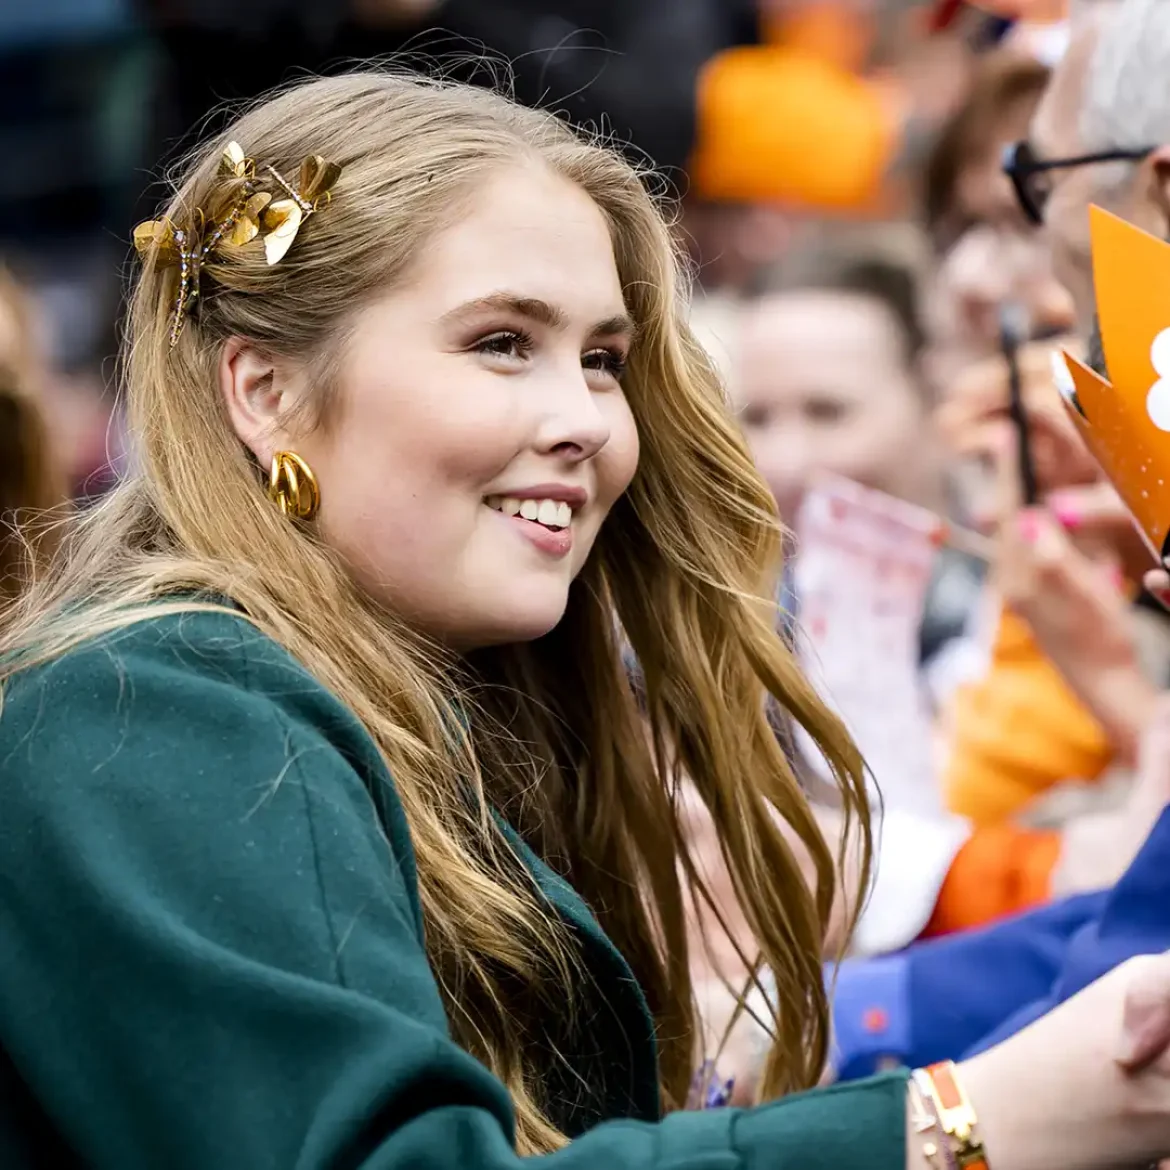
(1096, 507)
(1157, 584)
(1145, 1029)
(1038, 561)
(976, 407)
(1051, 549)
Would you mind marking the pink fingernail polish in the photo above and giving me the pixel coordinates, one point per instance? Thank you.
(1067, 512)
(1029, 526)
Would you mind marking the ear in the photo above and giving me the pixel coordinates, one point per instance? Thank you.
(256, 395)
(1159, 167)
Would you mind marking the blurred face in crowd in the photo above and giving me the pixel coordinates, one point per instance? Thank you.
(1054, 134)
(992, 255)
(1138, 192)
(824, 384)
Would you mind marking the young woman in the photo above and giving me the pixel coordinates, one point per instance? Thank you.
(331, 836)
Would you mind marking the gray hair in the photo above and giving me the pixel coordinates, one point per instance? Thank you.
(1127, 100)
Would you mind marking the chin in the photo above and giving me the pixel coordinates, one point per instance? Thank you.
(516, 622)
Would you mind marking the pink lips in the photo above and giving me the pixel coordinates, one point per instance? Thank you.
(556, 542)
(575, 497)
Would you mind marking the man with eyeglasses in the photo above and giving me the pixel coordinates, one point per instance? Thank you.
(1101, 135)
(1097, 138)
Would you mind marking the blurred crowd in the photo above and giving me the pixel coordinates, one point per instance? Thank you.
(872, 282)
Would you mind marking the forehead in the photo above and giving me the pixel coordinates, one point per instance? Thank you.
(1055, 130)
(528, 230)
(816, 340)
(815, 319)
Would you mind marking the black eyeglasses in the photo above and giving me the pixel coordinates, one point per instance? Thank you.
(1029, 174)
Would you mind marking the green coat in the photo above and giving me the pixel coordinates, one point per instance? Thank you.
(212, 948)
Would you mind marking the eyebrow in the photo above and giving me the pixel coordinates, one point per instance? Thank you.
(540, 312)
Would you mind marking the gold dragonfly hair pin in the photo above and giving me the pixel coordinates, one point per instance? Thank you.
(238, 212)
(283, 217)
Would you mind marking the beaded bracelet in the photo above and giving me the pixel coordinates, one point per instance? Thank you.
(939, 1086)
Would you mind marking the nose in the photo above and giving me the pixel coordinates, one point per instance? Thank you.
(979, 281)
(785, 466)
(573, 426)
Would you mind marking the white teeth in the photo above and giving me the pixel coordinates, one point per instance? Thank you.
(550, 513)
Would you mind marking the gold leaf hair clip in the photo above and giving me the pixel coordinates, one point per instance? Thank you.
(237, 212)
(283, 218)
(172, 248)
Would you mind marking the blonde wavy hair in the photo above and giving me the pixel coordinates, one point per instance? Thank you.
(550, 733)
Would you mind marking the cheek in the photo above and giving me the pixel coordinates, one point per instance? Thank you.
(768, 450)
(876, 442)
(617, 461)
(383, 469)
(413, 444)
(1067, 229)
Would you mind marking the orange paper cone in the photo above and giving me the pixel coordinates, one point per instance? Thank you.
(1125, 421)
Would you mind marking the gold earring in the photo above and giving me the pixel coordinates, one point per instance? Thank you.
(292, 486)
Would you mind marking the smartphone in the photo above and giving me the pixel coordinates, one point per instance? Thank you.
(1013, 333)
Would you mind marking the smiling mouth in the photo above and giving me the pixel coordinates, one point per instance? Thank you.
(555, 515)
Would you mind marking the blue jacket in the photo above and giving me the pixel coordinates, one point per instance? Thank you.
(955, 996)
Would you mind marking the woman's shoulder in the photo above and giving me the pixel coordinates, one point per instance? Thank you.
(195, 637)
(185, 773)
(173, 645)
(175, 685)
(194, 715)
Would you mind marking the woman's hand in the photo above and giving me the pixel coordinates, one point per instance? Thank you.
(1098, 521)
(1086, 1086)
(976, 411)
(1076, 608)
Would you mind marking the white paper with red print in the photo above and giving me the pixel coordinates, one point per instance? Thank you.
(863, 565)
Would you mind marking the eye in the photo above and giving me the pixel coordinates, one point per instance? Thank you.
(507, 343)
(826, 411)
(607, 361)
(754, 416)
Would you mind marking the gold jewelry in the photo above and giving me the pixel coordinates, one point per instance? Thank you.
(925, 1124)
(292, 486)
(941, 1086)
(283, 217)
(237, 213)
